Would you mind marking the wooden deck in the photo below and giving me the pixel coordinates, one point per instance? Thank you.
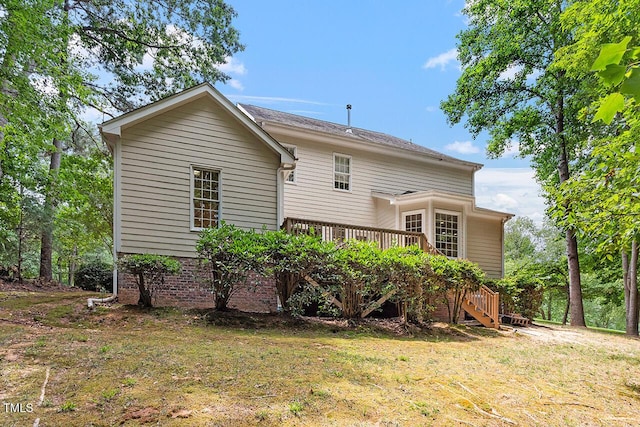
(386, 238)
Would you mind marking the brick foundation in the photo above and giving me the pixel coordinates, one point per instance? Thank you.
(190, 290)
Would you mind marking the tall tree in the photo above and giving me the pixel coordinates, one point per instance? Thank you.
(511, 88)
(55, 49)
(606, 40)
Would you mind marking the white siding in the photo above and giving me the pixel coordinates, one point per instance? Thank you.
(315, 198)
(156, 156)
(484, 244)
(386, 214)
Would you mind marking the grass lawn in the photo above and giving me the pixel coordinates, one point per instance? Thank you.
(119, 365)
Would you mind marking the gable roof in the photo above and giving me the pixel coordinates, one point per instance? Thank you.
(112, 129)
(357, 135)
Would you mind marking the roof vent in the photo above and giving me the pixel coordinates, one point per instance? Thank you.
(349, 119)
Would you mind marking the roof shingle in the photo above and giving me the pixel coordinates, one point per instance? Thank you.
(261, 114)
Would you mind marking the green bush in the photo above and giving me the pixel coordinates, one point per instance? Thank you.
(229, 254)
(94, 276)
(352, 278)
(149, 271)
(291, 257)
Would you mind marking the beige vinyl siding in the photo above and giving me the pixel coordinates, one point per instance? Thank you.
(156, 160)
(386, 214)
(484, 244)
(315, 198)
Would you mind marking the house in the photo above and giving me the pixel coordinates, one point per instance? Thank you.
(190, 160)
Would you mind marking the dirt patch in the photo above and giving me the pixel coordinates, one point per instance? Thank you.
(557, 334)
(35, 285)
(141, 415)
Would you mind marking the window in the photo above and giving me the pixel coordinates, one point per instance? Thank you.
(412, 222)
(341, 172)
(447, 233)
(291, 177)
(205, 197)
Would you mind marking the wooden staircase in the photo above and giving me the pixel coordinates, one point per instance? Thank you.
(483, 306)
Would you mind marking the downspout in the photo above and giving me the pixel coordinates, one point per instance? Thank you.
(91, 302)
(280, 192)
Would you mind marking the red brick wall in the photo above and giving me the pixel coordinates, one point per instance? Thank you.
(190, 290)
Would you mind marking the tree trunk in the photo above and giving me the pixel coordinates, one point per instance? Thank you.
(3, 122)
(46, 247)
(566, 309)
(145, 294)
(72, 266)
(630, 279)
(575, 287)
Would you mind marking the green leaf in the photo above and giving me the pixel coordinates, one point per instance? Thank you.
(613, 74)
(609, 107)
(631, 85)
(610, 53)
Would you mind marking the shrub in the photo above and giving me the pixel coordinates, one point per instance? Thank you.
(228, 255)
(290, 258)
(521, 292)
(149, 271)
(94, 276)
(454, 278)
(410, 272)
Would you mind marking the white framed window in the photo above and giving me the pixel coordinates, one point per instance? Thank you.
(341, 172)
(413, 221)
(205, 197)
(447, 233)
(291, 176)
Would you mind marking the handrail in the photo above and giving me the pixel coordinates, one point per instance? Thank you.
(486, 300)
(385, 237)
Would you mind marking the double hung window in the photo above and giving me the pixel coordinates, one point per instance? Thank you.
(342, 172)
(205, 197)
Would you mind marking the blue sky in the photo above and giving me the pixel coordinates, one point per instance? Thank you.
(393, 62)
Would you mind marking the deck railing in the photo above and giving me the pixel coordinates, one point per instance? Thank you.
(487, 301)
(386, 238)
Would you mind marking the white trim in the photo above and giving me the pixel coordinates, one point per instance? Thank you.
(333, 173)
(422, 212)
(114, 127)
(117, 203)
(279, 197)
(192, 227)
(461, 230)
(117, 197)
(440, 196)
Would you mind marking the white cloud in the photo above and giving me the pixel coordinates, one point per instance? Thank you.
(236, 84)
(442, 60)
(431, 109)
(233, 66)
(513, 150)
(510, 73)
(462, 147)
(512, 190)
(504, 201)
